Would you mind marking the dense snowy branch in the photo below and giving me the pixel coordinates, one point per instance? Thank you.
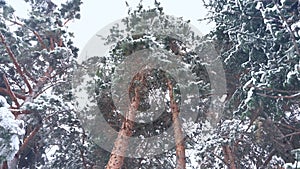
(33, 31)
(288, 27)
(10, 92)
(16, 63)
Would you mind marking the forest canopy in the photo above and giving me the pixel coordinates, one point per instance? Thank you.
(154, 92)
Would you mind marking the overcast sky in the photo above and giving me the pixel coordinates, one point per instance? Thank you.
(97, 14)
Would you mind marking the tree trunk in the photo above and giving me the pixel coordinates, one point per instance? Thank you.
(118, 153)
(229, 157)
(4, 165)
(178, 134)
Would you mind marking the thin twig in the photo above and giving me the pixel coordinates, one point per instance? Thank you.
(65, 23)
(291, 134)
(288, 126)
(279, 97)
(219, 157)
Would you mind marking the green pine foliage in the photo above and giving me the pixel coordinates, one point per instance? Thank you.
(259, 43)
(37, 57)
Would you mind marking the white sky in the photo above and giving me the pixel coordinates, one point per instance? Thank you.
(97, 14)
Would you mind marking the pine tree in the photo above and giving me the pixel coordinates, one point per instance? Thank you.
(146, 36)
(37, 57)
(259, 45)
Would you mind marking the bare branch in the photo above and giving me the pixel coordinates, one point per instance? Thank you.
(269, 158)
(279, 97)
(291, 134)
(18, 95)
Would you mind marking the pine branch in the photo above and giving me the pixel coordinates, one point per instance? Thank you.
(28, 139)
(18, 95)
(10, 92)
(280, 97)
(288, 27)
(52, 46)
(291, 134)
(16, 63)
(29, 76)
(272, 89)
(33, 31)
(287, 126)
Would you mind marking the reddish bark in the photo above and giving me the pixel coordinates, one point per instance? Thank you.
(10, 92)
(121, 143)
(4, 165)
(229, 157)
(28, 139)
(178, 134)
(118, 153)
(16, 63)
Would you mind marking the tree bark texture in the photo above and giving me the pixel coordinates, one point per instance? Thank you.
(178, 134)
(116, 159)
(121, 143)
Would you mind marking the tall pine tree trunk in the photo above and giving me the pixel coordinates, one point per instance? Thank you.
(121, 143)
(178, 134)
(116, 159)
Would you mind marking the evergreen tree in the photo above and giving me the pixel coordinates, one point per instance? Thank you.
(249, 118)
(259, 45)
(145, 38)
(37, 57)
